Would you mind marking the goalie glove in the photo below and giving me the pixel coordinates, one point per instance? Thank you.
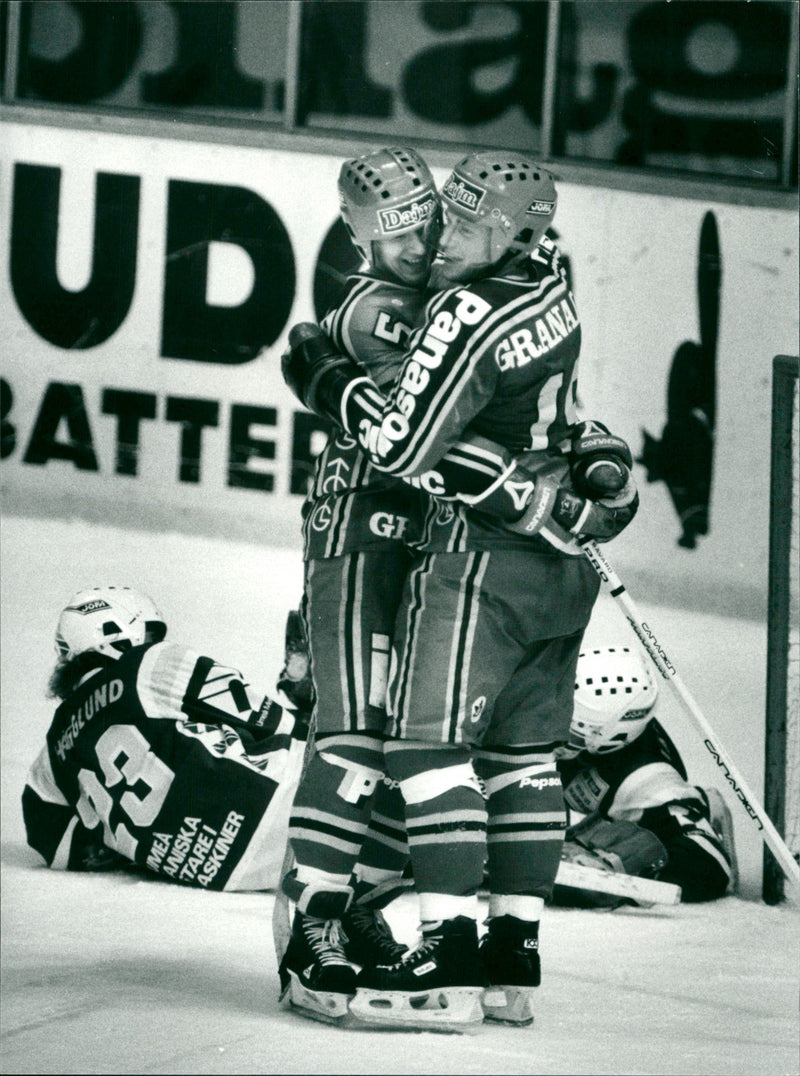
(623, 847)
(316, 372)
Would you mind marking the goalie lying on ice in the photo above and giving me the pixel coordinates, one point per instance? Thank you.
(624, 774)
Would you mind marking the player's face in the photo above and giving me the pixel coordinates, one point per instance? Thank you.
(464, 253)
(406, 257)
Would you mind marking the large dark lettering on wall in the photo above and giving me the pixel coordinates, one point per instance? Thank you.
(580, 113)
(62, 404)
(201, 213)
(193, 416)
(8, 431)
(305, 427)
(130, 408)
(243, 447)
(333, 51)
(84, 318)
(109, 40)
(204, 71)
(438, 83)
(658, 40)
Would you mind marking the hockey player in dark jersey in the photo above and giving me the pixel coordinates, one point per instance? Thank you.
(494, 611)
(159, 756)
(622, 772)
(358, 523)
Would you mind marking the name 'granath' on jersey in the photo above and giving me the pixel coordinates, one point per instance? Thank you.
(520, 347)
(98, 700)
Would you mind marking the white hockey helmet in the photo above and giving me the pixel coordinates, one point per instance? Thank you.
(614, 697)
(384, 194)
(108, 620)
(507, 193)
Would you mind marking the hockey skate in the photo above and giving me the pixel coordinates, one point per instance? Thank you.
(510, 955)
(435, 987)
(315, 973)
(368, 939)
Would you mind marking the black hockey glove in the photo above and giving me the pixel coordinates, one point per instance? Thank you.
(316, 372)
(599, 462)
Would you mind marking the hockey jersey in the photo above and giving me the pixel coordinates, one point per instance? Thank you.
(351, 505)
(646, 783)
(167, 760)
(497, 358)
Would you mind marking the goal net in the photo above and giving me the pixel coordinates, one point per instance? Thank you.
(782, 745)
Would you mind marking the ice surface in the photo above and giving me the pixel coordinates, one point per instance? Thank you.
(113, 974)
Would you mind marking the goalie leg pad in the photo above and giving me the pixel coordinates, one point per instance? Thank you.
(454, 1009)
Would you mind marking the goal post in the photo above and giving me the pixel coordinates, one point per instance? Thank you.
(782, 729)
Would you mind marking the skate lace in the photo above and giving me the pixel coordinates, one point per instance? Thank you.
(424, 948)
(325, 938)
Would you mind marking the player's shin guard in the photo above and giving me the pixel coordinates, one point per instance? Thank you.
(381, 873)
(446, 825)
(526, 826)
(329, 819)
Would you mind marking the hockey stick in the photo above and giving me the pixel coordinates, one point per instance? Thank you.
(281, 917)
(663, 663)
(631, 886)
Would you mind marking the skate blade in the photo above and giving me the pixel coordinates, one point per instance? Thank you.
(322, 1005)
(509, 1005)
(454, 1009)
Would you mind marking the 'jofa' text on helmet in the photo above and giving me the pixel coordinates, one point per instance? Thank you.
(108, 620)
(614, 696)
(385, 194)
(506, 192)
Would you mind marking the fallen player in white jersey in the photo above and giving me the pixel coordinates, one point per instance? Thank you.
(624, 775)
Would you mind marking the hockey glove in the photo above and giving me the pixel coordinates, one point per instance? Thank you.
(576, 515)
(601, 520)
(599, 462)
(294, 679)
(623, 847)
(316, 372)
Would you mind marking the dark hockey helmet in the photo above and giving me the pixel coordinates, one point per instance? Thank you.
(385, 194)
(506, 192)
(614, 697)
(109, 620)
